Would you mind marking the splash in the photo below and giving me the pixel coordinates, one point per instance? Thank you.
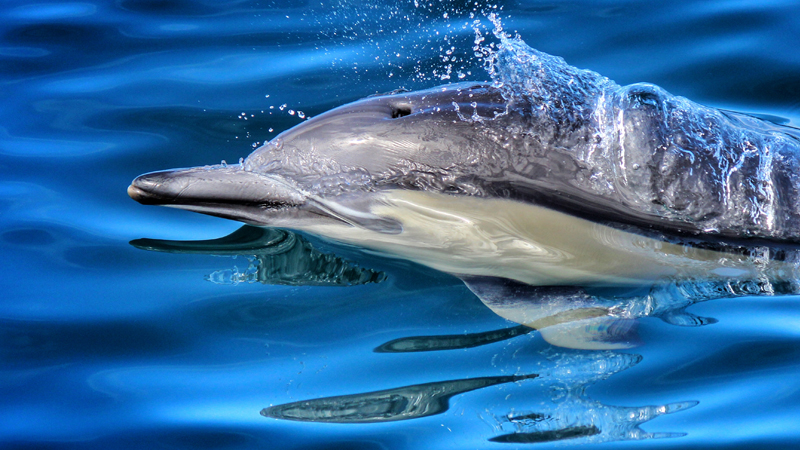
(435, 52)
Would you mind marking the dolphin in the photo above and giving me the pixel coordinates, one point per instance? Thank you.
(539, 177)
(545, 133)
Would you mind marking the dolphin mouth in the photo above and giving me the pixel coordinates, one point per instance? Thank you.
(225, 191)
(144, 195)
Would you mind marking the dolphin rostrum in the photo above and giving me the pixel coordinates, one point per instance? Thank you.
(511, 171)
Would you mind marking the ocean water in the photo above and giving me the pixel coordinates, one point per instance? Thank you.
(113, 334)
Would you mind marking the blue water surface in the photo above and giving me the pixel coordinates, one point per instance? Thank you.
(106, 344)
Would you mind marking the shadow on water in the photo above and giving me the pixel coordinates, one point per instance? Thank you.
(585, 324)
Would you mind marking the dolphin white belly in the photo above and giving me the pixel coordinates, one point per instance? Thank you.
(528, 243)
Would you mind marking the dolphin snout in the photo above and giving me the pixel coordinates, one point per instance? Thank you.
(148, 189)
(137, 193)
(213, 185)
(173, 186)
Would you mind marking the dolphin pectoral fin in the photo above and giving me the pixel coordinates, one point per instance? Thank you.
(682, 318)
(356, 218)
(594, 333)
(566, 316)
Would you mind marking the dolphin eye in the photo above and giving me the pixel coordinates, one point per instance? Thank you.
(400, 111)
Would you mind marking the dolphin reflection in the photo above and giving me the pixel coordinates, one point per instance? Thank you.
(599, 423)
(451, 342)
(277, 257)
(569, 415)
(579, 316)
(592, 317)
(409, 402)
